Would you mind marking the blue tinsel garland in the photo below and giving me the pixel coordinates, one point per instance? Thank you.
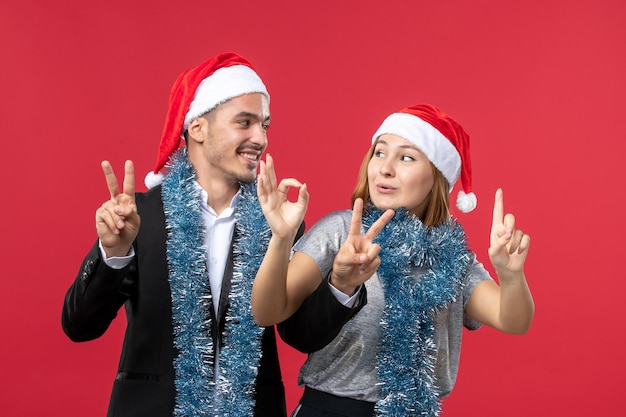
(241, 354)
(197, 392)
(406, 355)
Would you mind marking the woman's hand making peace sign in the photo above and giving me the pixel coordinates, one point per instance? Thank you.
(357, 259)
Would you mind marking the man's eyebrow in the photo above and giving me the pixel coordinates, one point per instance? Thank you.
(251, 115)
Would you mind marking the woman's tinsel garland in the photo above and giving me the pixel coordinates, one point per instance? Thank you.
(406, 355)
(197, 393)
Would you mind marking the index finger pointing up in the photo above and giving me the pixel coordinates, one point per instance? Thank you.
(498, 207)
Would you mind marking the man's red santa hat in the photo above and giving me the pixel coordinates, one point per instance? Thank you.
(441, 139)
(197, 91)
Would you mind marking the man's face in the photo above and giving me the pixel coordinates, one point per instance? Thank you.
(235, 138)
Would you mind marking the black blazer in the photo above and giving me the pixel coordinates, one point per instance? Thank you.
(319, 319)
(144, 385)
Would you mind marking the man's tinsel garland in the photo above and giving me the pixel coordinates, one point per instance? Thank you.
(241, 353)
(406, 355)
(197, 392)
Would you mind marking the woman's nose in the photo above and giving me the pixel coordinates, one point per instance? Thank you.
(386, 168)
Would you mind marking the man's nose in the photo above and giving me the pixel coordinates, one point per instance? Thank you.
(259, 135)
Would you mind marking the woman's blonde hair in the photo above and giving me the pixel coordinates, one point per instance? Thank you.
(438, 209)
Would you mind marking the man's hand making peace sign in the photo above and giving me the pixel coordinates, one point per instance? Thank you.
(117, 221)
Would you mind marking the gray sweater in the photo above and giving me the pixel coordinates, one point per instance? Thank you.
(347, 366)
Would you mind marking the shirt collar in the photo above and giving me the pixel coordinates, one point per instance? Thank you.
(230, 211)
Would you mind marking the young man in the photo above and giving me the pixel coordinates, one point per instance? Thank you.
(181, 258)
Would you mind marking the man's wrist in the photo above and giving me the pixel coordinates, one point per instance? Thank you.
(350, 301)
(116, 262)
(348, 290)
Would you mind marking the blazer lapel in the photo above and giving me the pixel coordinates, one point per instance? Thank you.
(226, 285)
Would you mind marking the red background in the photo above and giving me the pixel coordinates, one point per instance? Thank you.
(539, 85)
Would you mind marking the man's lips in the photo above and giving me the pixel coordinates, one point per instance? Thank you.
(250, 156)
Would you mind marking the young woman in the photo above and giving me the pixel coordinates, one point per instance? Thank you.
(399, 280)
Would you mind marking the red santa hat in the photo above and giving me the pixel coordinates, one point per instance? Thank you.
(441, 139)
(197, 91)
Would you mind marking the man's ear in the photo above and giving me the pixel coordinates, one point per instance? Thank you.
(196, 128)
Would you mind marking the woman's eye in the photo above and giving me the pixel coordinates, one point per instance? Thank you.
(379, 154)
(407, 158)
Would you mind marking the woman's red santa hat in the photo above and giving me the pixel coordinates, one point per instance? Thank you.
(441, 139)
(198, 91)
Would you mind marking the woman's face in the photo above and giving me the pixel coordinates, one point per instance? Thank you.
(399, 175)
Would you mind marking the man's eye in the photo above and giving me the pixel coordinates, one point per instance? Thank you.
(266, 126)
(244, 123)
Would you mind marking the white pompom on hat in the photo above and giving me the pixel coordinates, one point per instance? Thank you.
(441, 139)
(197, 91)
